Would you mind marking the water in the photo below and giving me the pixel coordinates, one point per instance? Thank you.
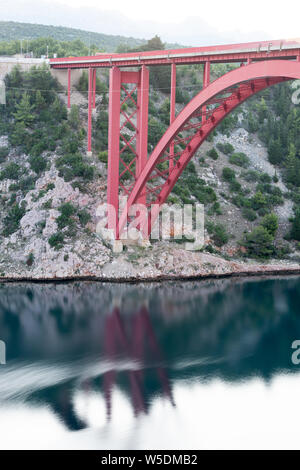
(186, 365)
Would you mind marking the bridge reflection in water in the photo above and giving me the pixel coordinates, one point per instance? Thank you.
(84, 351)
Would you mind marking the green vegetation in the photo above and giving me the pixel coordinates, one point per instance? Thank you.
(56, 240)
(228, 174)
(260, 242)
(218, 233)
(213, 154)
(239, 159)
(226, 148)
(60, 40)
(12, 219)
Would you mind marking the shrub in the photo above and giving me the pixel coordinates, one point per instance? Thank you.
(56, 240)
(259, 242)
(30, 259)
(270, 223)
(220, 235)
(251, 176)
(235, 186)
(249, 214)
(38, 163)
(258, 201)
(103, 156)
(295, 231)
(72, 165)
(228, 174)
(12, 220)
(67, 210)
(4, 151)
(226, 148)
(84, 216)
(239, 159)
(10, 172)
(213, 154)
(265, 178)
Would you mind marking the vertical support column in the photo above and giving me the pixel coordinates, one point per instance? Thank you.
(113, 149)
(69, 88)
(172, 112)
(142, 124)
(206, 81)
(94, 89)
(90, 97)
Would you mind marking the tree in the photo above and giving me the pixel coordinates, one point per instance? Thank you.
(270, 223)
(259, 242)
(24, 110)
(40, 102)
(295, 232)
(74, 117)
(275, 151)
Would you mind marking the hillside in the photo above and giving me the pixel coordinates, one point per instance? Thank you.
(11, 31)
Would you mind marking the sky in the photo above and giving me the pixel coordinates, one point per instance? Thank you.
(188, 22)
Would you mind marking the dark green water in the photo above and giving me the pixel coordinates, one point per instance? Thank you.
(153, 366)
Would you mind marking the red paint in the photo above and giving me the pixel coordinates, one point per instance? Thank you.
(69, 88)
(89, 146)
(172, 111)
(261, 75)
(223, 53)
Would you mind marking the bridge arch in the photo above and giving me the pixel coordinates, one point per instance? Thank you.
(192, 126)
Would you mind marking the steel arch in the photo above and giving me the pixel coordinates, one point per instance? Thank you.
(240, 83)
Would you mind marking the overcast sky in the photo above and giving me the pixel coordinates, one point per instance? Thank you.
(189, 22)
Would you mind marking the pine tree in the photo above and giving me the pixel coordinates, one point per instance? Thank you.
(40, 102)
(24, 110)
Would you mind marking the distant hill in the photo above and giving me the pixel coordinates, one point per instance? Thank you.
(10, 30)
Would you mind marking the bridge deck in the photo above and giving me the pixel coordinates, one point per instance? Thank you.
(279, 49)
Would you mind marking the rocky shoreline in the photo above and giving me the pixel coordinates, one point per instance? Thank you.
(209, 266)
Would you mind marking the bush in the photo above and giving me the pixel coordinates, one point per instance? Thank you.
(295, 231)
(251, 176)
(258, 201)
(72, 165)
(10, 172)
(67, 210)
(228, 174)
(213, 154)
(4, 151)
(235, 186)
(56, 240)
(84, 216)
(239, 159)
(270, 223)
(218, 233)
(220, 236)
(226, 148)
(103, 156)
(249, 214)
(12, 220)
(38, 163)
(259, 243)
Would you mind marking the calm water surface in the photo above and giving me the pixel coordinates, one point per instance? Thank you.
(175, 365)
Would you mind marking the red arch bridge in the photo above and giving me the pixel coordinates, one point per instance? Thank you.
(148, 180)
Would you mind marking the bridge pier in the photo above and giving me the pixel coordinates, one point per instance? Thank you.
(69, 88)
(172, 112)
(132, 156)
(206, 81)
